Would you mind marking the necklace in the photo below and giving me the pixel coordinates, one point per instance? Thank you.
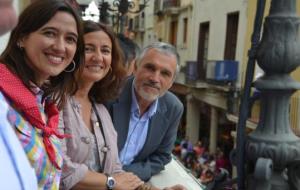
(105, 148)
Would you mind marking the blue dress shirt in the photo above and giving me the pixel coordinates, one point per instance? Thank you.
(138, 129)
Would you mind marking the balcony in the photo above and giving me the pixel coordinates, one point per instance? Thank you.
(158, 7)
(222, 71)
(176, 173)
(163, 6)
(171, 6)
(167, 4)
(217, 89)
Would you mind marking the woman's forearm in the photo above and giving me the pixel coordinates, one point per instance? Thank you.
(92, 181)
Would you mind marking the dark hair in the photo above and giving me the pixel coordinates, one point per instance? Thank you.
(130, 48)
(31, 19)
(109, 87)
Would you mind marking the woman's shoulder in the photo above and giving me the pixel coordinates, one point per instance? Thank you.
(104, 115)
(102, 110)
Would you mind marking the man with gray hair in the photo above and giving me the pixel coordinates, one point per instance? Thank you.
(146, 115)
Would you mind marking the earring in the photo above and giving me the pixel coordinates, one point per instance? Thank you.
(110, 70)
(72, 69)
(19, 46)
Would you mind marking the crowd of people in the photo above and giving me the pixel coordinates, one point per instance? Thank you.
(77, 111)
(205, 166)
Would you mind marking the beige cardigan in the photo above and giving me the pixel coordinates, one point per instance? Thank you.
(77, 148)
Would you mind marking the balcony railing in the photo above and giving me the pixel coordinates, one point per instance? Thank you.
(171, 4)
(176, 173)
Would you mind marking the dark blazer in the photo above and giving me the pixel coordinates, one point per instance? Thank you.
(161, 135)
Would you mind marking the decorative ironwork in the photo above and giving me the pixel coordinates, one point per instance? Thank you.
(113, 13)
(125, 6)
(272, 149)
(104, 14)
(119, 10)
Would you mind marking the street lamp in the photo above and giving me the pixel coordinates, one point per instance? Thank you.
(125, 6)
(104, 14)
(114, 10)
(120, 8)
(272, 149)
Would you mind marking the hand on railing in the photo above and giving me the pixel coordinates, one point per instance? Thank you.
(127, 181)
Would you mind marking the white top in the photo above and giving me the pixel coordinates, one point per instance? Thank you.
(16, 172)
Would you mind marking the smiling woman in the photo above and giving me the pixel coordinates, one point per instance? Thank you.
(51, 48)
(93, 151)
(47, 39)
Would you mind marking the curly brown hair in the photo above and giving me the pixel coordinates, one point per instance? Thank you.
(109, 87)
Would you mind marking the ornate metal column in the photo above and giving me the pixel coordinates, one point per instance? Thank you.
(272, 150)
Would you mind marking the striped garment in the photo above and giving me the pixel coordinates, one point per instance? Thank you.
(32, 141)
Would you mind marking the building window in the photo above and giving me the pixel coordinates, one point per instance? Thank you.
(130, 24)
(185, 30)
(173, 33)
(231, 36)
(203, 49)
